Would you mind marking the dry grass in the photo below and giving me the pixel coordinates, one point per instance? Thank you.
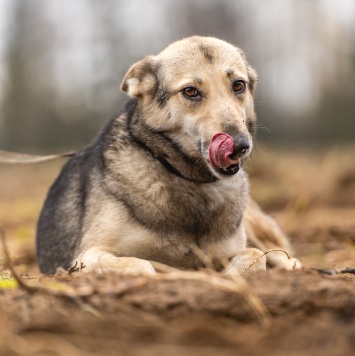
(310, 193)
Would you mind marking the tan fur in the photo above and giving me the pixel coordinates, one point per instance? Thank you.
(179, 67)
(153, 193)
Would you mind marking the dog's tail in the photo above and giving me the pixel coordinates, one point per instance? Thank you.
(14, 158)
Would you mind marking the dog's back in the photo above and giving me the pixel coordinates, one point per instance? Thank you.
(60, 223)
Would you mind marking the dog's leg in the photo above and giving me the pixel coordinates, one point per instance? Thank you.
(264, 234)
(96, 260)
(246, 261)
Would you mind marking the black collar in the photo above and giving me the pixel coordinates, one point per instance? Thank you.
(152, 142)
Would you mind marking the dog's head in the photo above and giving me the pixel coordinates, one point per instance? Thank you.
(200, 92)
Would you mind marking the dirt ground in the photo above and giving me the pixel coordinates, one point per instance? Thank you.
(311, 193)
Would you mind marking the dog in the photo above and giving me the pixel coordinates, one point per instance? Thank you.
(164, 180)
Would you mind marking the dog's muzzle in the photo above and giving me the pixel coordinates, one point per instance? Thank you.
(225, 153)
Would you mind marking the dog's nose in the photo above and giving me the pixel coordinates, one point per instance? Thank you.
(241, 146)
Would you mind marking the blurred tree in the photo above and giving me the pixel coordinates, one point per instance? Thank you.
(220, 19)
(65, 61)
(110, 49)
(335, 116)
(32, 118)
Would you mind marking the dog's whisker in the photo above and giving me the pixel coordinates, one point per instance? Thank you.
(263, 128)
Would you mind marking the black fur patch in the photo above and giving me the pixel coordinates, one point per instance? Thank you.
(162, 96)
(170, 167)
(177, 147)
(167, 151)
(207, 52)
(159, 92)
(252, 80)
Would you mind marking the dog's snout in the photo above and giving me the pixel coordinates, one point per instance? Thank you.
(241, 146)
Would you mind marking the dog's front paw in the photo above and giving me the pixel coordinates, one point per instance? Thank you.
(124, 265)
(247, 261)
(96, 261)
(289, 264)
(279, 259)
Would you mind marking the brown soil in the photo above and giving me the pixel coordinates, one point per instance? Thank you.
(304, 312)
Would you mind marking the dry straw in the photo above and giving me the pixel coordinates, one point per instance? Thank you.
(231, 283)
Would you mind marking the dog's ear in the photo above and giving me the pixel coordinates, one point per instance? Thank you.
(252, 75)
(140, 77)
(253, 78)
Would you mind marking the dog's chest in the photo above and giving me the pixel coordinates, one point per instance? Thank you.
(170, 206)
(173, 207)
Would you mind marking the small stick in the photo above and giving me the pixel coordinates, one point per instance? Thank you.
(348, 270)
(69, 293)
(14, 158)
(8, 260)
(75, 268)
(334, 271)
(264, 254)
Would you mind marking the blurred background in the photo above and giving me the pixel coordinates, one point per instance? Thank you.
(61, 64)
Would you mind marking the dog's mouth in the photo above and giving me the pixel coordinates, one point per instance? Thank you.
(229, 171)
(223, 156)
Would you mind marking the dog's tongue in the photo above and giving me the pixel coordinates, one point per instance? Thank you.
(221, 147)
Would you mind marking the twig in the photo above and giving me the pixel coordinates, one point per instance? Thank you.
(64, 290)
(348, 270)
(14, 158)
(264, 254)
(67, 292)
(75, 268)
(333, 272)
(325, 271)
(8, 260)
(236, 285)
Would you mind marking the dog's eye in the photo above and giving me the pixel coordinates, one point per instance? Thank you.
(191, 92)
(239, 86)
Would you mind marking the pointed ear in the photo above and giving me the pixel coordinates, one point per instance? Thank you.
(140, 77)
(252, 75)
(253, 78)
